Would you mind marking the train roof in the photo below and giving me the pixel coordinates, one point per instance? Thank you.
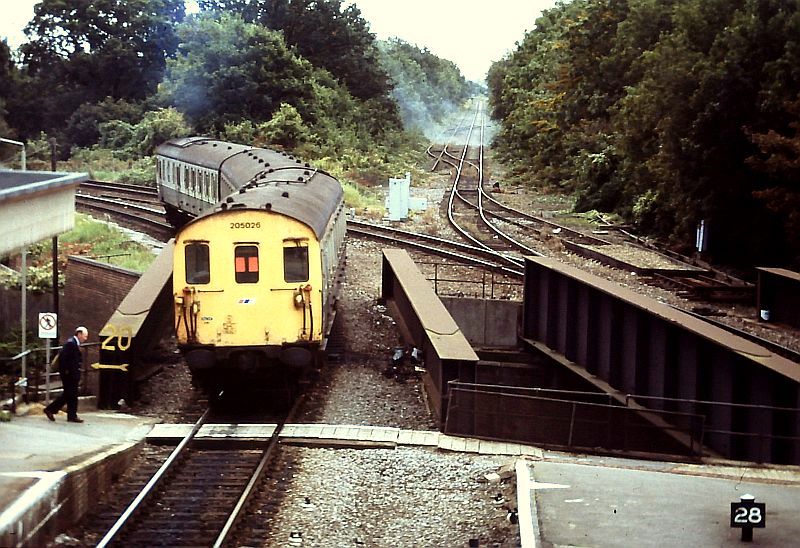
(312, 202)
(265, 179)
(201, 151)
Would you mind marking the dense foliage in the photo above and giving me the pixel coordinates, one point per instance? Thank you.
(426, 87)
(110, 79)
(80, 53)
(666, 111)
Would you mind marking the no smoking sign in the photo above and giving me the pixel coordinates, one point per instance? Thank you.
(48, 325)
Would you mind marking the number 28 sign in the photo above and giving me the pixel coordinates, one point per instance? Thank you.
(748, 514)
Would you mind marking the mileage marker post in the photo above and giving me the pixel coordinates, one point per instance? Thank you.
(748, 514)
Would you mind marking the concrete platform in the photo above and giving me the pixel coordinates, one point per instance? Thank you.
(581, 500)
(51, 472)
(340, 435)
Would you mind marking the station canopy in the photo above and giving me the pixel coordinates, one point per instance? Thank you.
(34, 206)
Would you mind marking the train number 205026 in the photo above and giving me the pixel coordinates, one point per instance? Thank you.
(254, 224)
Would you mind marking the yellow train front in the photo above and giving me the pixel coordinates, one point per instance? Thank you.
(256, 279)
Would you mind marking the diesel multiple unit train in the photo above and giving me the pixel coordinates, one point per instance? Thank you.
(258, 262)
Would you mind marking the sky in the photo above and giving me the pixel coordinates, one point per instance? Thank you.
(472, 34)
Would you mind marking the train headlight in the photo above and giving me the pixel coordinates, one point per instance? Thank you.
(299, 301)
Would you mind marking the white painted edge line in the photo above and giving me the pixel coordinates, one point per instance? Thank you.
(526, 507)
(47, 482)
(11, 518)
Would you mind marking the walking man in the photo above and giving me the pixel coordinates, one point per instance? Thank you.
(69, 369)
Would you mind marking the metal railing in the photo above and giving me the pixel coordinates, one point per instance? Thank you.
(569, 419)
(486, 287)
(37, 381)
(590, 420)
(790, 416)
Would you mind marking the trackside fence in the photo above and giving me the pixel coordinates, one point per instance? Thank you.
(569, 419)
(766, 438)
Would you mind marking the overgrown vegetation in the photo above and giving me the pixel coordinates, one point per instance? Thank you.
(90, 238)
(666, 112)
(110, 80)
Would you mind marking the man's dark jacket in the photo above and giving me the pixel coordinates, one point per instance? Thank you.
(69, 359)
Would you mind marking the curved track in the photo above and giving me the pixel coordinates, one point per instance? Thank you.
(510, 233)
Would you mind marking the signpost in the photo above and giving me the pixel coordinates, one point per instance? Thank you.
(48, 329)
(748, 514)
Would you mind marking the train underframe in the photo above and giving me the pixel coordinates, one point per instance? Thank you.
(176, 217)
(259, 372)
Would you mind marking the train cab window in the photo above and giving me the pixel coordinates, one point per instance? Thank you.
(197, 264)
(246, 264)
(295, 263)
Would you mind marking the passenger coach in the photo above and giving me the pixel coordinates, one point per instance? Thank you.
(257, 273)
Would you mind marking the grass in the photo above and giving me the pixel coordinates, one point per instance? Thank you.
(104, 242)
(89, 238)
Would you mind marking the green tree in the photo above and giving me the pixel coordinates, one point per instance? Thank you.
(227, 70)
(334, 38)
(82, 128)
(249, 10)
(653, 108)
(139, 140)
(81, 52)
(425, 87)
(777, 165)
(6, 84)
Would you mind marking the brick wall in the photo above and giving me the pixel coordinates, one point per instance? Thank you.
(92, 292)
(11, 303)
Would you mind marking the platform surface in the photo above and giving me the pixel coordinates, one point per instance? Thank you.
(574, 500)
(603, 501)
(35, 453)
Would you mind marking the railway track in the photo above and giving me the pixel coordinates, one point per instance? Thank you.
(146, 218)
(199, 495)
(484, 253)
(123, 191)
(488, 223)
(449, 249)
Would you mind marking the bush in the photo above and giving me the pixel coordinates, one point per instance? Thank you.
(134, 141)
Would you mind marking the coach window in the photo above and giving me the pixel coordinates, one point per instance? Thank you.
(295, 263)
(197, 263)
(246, 264)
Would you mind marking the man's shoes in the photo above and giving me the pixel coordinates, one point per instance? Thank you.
(74, 419)
(49, 415)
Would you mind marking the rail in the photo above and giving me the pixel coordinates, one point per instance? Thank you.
(150, 487)
(255, 479)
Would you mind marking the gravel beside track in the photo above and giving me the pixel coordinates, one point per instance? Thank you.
(392, 497)
(388, 498)
(399, 497)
